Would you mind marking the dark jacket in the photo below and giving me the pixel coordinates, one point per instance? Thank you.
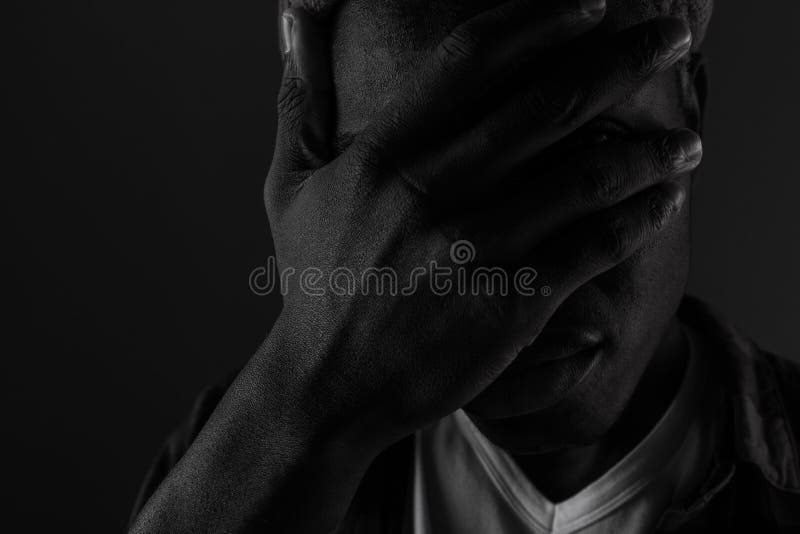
(754, 486)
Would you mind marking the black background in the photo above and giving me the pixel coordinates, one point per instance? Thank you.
(141, 134)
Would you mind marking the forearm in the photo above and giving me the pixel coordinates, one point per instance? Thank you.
(273, 456)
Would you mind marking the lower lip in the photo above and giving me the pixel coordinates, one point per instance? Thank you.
(550, 348)
(532, 387)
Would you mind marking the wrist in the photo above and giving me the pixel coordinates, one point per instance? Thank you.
(300, 377)
(268, 444)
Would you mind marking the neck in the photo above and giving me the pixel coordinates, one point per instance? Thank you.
(559, 475)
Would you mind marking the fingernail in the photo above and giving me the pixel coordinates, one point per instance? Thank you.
(687, 149)
(593, 7)
(675, 34)
(287, 26)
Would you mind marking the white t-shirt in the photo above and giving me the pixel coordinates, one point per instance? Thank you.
(464, 484)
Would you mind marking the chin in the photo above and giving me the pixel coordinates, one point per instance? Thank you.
(574, 382)
(576, 409)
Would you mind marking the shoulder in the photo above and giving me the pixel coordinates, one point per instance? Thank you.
(763, 392)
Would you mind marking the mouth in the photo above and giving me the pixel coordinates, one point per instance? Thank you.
(555, 345)
(542, 375)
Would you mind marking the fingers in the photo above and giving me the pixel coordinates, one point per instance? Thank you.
(473, 56)
(557, 104)
(511, 34)
(590, 184)
(602, 242)
(570, 259)
(305, 99)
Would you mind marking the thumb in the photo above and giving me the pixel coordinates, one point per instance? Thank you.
(305, 99)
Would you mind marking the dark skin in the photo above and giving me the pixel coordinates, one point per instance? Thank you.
(340, 378)
(629, 309)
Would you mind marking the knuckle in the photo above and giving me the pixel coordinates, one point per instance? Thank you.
(638, 63)
(648, 56)
(618, 240)
(660, 209)
(461, 45)
(290, 96)
(603, 186)
(645, 57)
(661, 155)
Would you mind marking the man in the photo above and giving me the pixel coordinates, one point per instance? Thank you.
(551, 135)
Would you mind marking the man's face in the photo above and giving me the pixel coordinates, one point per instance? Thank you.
(619, 317)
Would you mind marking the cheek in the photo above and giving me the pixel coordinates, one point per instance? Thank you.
(656, 280)
(644, 292)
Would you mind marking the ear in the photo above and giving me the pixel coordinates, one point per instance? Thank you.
(698, 91)
(283, 5)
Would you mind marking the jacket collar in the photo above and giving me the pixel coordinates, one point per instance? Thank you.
(754, 385)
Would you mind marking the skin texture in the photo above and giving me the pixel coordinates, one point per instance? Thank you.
(377, 45)
(460, 147)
